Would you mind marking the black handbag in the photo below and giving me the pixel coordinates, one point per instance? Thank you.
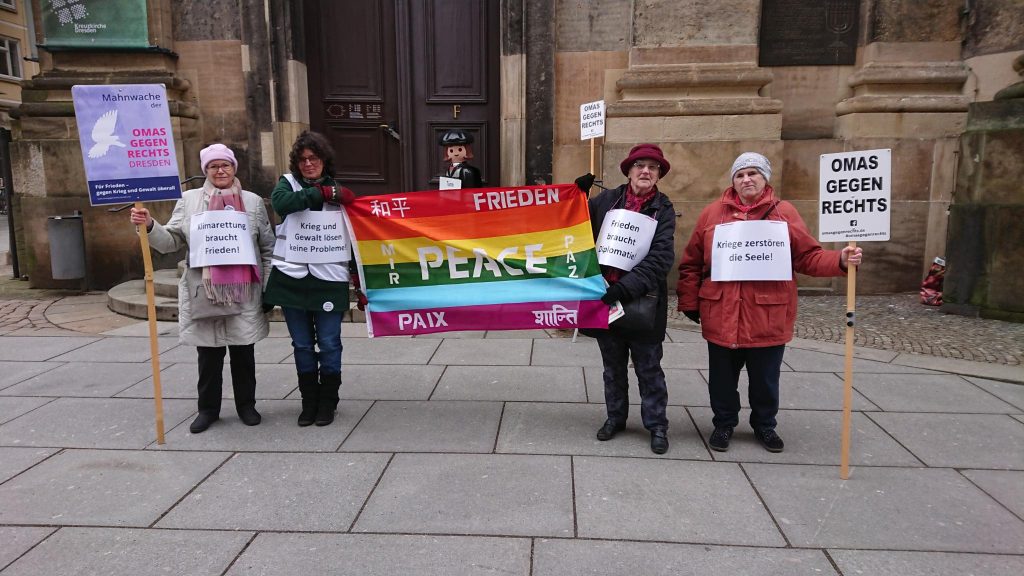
(201, 307)
(639, 314)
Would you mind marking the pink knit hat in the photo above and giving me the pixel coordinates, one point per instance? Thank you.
(216, 152)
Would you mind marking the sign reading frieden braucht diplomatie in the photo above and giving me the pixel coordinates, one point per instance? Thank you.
(802, 33)
(77, 24)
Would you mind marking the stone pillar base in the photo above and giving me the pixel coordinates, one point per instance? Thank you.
(49, 176)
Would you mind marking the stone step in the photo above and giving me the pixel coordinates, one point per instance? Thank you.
(815, 291)
(165, 282)
(129, 299)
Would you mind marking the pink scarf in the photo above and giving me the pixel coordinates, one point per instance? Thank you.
(229, 282)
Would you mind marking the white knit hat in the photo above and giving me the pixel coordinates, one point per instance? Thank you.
(752, 160)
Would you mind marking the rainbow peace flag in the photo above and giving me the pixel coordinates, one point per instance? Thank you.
(477, 259)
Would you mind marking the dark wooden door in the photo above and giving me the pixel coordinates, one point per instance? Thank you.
(353, 89)
(455, 82)
(387, 77)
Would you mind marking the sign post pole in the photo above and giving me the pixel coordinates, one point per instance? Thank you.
(592, 128)
(154, 349)
(851, 310)
(854, 205)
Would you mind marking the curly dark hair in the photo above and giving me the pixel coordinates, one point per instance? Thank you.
(316, 143)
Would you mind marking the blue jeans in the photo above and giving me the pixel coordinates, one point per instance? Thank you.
(312, 331)
(615, 353)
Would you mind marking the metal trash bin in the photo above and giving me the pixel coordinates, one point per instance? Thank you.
(67, 246)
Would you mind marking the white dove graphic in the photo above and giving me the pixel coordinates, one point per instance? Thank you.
(103, 135)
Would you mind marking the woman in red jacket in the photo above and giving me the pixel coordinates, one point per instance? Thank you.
(748, 322)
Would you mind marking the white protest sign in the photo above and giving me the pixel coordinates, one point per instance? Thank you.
(450, 183)
(316, 237)
(592, 120)
(855, 196)
(625, 238)
(751, 250)
(219, 237)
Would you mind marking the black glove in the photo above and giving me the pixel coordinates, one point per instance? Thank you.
(585, 182)
(614, 293)
(693, 315)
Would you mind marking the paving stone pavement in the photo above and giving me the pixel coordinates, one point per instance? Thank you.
(474, 453)
(469, 453)
(899, 322)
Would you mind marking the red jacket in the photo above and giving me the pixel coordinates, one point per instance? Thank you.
(748, 314)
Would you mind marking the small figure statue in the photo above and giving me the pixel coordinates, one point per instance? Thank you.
(457, 150)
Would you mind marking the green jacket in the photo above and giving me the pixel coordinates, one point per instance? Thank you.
(311, 287)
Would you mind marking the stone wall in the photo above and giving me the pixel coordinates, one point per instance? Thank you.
(684, 74)
(209, 47)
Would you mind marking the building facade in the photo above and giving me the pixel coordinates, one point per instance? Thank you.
(706, 80)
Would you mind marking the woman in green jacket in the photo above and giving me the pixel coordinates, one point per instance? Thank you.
(314, 297)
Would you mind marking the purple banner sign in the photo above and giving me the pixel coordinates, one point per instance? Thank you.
(127, 143)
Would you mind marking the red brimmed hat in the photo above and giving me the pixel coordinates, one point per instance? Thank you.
(648, 151)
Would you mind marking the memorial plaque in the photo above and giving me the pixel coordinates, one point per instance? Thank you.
(802, 33)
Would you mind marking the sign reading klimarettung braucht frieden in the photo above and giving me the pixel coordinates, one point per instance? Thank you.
(592, 120)
(855, 198)
(127, 143)
(219, 237)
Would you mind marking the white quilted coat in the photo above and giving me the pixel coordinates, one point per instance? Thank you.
(245, 328)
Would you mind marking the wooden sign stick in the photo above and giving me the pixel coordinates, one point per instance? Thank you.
(851, 307)
(576, 331)
(154, 348)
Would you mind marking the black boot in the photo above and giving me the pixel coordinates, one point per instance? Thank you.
(210, 386)
(309, 387)
(202, 422)
(243, 381)
(329, 385)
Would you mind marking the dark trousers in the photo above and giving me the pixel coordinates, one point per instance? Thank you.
(615, 353)
(211, 376)
(763, 388)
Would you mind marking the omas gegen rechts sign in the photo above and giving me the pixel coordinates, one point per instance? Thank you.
(127, 143)
(855, 198)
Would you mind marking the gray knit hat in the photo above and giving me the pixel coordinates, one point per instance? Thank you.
(752, 160)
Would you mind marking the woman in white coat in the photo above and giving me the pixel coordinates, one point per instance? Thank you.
(235, 288)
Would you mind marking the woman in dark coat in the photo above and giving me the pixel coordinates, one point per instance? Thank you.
(644, 166)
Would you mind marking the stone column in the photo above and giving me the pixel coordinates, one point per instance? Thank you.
(986, 240)
(693, 86)
(906, 94)
(48, 172)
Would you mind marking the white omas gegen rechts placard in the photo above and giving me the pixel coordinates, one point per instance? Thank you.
(319, 237)
(218, 237)
(855, 197)
(625, 238)
(592, 120)
(753, 250)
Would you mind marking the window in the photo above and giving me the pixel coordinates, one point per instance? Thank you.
(9, 4)
(10, 57)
